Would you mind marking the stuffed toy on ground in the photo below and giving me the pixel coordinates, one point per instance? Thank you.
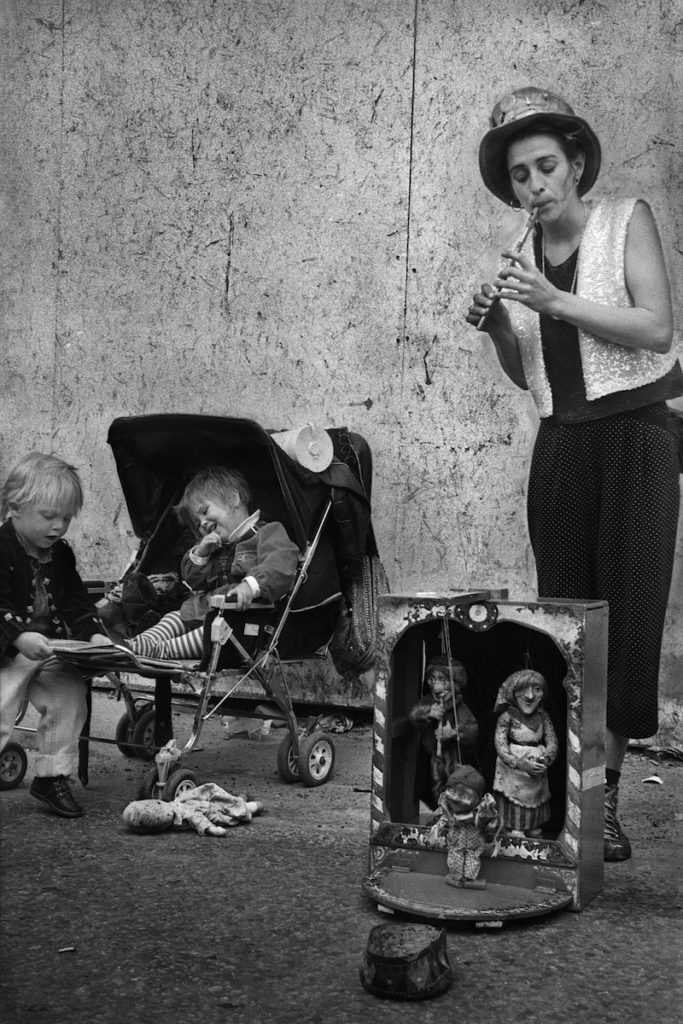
(207, 810)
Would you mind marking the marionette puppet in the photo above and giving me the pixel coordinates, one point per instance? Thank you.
(448, 729)
(468, 819)
(526, 744)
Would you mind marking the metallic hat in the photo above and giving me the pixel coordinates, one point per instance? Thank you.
(515, 113)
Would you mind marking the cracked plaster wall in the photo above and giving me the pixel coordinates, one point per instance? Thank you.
(272, 208)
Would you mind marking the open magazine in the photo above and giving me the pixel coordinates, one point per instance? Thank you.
(98, 658)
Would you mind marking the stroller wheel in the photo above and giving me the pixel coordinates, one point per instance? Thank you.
(287, 762)
(316, 759)
(148, 786)
(13, 764)
(124, 735)
(142, 734)
(180, 781)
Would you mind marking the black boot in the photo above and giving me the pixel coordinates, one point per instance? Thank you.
(617, 846)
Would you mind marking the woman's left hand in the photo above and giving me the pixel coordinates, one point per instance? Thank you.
(523, 282)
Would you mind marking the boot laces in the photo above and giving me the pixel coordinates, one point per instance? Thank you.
(62, 786)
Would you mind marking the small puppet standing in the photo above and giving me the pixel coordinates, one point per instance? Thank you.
(467, 818)
(526, 744)
(448, 729)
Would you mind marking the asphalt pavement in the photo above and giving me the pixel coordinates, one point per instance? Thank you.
(269, 923)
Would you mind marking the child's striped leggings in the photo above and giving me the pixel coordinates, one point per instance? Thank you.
(170, 638)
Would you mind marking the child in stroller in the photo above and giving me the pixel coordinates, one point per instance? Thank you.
(238, 554)
(327, 516)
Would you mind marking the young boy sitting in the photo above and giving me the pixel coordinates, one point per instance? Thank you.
(237, 554)
(43, 597)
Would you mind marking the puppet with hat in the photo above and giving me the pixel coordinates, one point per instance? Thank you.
(448, 730)
(468, 819)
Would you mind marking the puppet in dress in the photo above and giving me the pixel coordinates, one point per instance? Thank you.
(526, 744)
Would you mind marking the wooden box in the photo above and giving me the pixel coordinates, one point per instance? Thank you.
(493, 637)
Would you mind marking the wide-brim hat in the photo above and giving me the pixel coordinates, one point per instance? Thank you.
(519, 111)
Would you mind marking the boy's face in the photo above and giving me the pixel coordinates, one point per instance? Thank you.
(39, 525)
(219, 515)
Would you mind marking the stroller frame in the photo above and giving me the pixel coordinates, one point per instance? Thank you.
(307, 754)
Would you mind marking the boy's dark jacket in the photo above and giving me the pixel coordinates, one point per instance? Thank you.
(71, 608)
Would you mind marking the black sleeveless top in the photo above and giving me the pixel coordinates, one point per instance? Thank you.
(562, 358)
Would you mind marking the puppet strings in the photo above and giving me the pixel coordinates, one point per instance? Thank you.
(447, 652)
(446, 645)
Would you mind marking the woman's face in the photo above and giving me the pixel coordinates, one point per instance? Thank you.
(542, 176)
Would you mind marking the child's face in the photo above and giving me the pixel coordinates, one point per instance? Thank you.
(528, 697)
(39, 525)
(219, 515)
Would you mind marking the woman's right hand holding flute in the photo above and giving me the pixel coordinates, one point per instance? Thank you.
(486, 303)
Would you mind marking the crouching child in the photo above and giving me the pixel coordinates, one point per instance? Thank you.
(42, 597)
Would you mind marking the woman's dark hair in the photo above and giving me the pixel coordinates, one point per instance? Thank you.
(567, 140)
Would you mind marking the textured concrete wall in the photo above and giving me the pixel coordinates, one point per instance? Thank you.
(272, 208)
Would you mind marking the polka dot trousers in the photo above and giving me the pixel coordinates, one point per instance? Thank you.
(603, 505)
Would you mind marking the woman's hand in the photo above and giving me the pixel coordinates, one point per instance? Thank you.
(485, 303)
(499, 328)
(523, 282)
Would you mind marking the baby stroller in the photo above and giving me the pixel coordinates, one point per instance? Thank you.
(327, 514)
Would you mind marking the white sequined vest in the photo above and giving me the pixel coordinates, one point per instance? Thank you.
(606, 367)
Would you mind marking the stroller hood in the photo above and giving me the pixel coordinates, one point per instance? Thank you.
(156, 455)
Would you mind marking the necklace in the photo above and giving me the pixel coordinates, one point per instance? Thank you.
(572, 288)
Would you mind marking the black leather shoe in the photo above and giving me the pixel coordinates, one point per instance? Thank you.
(55, 793)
